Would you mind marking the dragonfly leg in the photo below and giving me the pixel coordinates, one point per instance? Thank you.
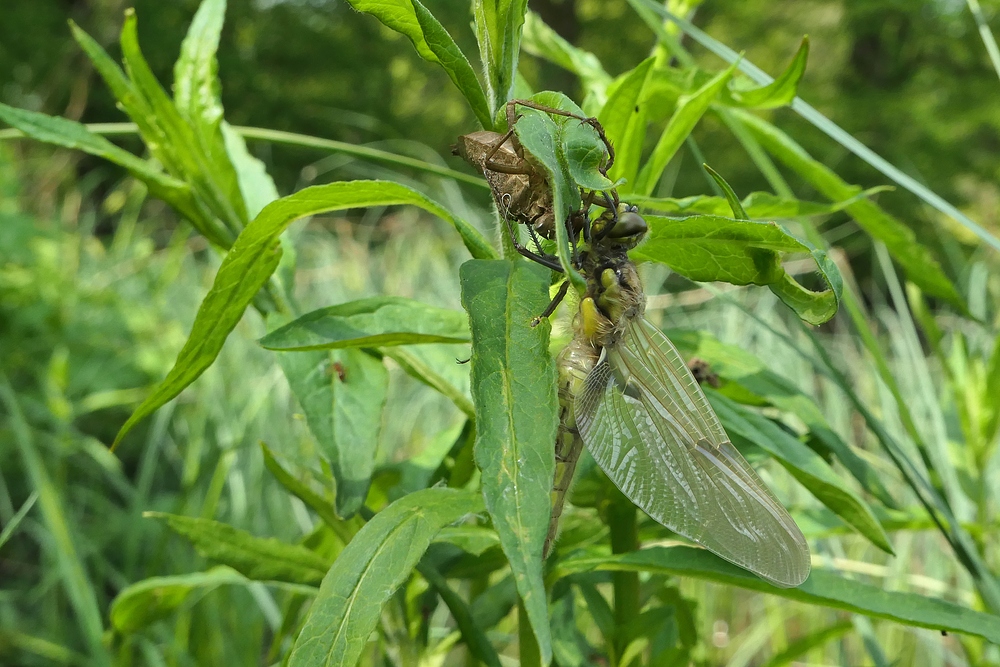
(551, 308)
(548, 261)
(593, 122)
(522, 169)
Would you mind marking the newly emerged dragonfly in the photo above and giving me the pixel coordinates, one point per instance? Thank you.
(627, 395)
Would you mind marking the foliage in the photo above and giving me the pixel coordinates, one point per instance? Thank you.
(462, 520)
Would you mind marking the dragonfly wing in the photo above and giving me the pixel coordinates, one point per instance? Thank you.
(648, 425)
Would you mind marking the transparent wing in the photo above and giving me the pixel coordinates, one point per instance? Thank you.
(649, 426)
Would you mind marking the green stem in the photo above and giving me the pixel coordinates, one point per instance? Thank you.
(530, 655)
(301, 140)
(624, 539)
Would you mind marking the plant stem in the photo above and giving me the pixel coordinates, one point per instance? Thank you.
(624, 538)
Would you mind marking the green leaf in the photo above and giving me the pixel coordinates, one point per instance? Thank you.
(812, 307)
(758, 205)
(513, 385)
(804, 464)
(542, 41)
(261, 559)
(472, 539)
(689, 111)
(433, 43)
(777, 94)
(541, 135)
(252, 260)
(624, 120)
(256, 185)
(499, 25)
(736, 365)
(343, 394)
(823, 588)
(740, 252)
(11, 526)
(181, 146)
(916, 260)
(196, 97)
(735, 205)
(151, 599)
(693, 247)
(374, 322)
(369, 570)
(70, 134)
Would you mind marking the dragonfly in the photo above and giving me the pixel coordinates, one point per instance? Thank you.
(626, 395)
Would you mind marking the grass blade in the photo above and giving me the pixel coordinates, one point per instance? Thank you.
(827, 126)
(72, 572)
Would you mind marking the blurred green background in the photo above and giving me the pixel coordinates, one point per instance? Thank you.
(98, 285)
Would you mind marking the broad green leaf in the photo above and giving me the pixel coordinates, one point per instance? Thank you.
(541, 136)
(779, 93)
(70, 134)
(542, 41)
(369, 570)
(513, 385)
(740, 252)
(822, 588)
(736, 365)
(689, 111)
(804, 464)
(343, 394)
(151, 599)
(258, 558)
(693, 247)
(916, 260)
(434, 44)
(196, 97)
(624, 119)
(374, 322)
(758, 205)
(252, 260)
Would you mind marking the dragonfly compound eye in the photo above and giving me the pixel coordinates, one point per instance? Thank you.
(630, 224)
